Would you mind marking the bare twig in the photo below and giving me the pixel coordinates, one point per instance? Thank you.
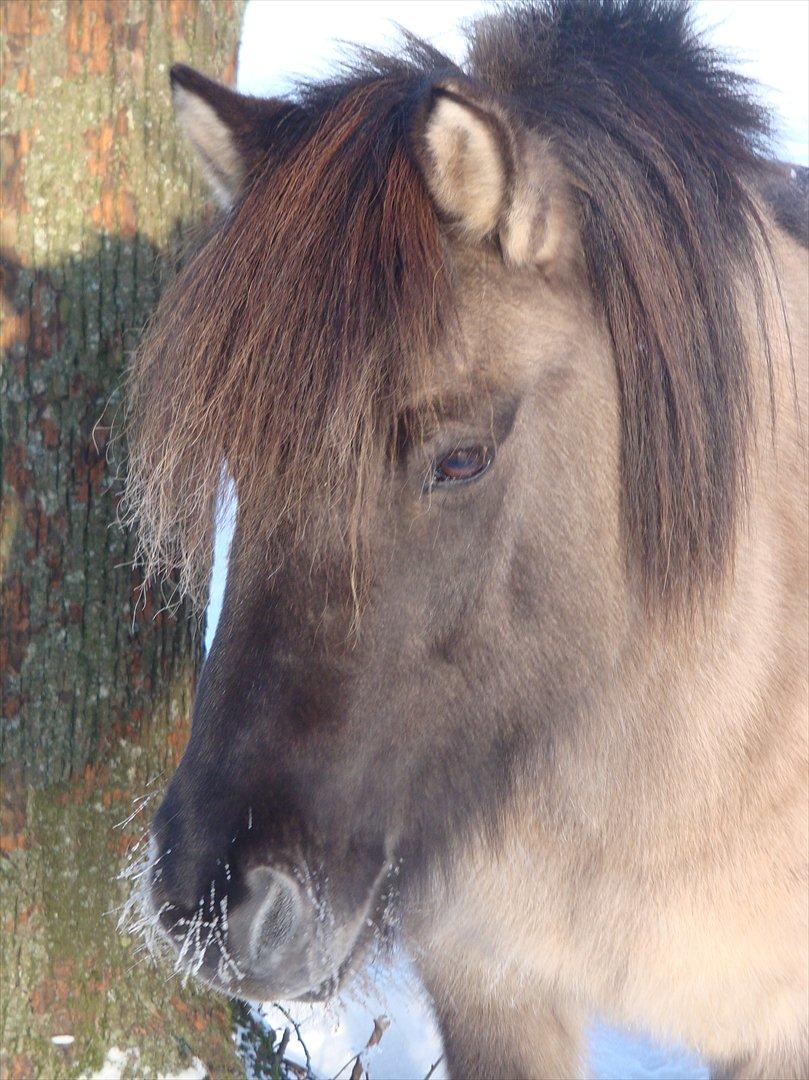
(343, 1068)
(297, 1070)
(381, 1025)
(284, 1012)
(433, 1067)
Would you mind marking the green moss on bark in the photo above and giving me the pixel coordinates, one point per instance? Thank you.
(97, 191)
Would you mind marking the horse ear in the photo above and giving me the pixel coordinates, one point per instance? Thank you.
(463, 160)
(488, 175)
(232, 133)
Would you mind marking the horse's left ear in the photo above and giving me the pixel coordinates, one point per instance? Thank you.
(232, 133)
(489, 175)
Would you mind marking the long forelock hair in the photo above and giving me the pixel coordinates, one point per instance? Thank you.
(294, 340)
(299, 335)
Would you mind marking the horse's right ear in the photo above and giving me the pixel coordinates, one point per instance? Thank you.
(232, 133)
(463, 157)
(488, 175)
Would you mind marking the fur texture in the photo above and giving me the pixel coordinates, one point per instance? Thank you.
(297, 338)
(564, 748)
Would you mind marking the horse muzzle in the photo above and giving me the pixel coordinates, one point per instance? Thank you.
(283, 938)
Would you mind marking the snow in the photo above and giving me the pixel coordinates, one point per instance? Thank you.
(335, 1033)
(119, 1063)
(282, 40)
(616, 1055)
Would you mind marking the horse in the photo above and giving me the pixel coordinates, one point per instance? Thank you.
(505, 362)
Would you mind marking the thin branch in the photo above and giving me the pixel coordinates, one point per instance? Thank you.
(297, 1031)
(433, 1067)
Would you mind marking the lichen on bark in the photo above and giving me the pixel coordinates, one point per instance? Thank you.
(97, 192)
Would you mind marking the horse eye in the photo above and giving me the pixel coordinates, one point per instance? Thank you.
(462, 465)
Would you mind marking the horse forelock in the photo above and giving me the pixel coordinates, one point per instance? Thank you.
(294, 341)
(303, 330)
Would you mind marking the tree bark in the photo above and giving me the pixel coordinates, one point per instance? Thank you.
(95, 690)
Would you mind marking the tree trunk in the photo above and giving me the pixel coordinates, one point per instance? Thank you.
(96, 690)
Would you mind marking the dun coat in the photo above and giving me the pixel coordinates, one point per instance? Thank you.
(507, 364)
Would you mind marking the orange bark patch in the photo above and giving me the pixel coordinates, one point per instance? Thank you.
(177, 738)
(12, 819)
(17, 473)
(116, 210)
(180, 13)
(24, 20)
(16, 614)
(39, 15)
(12, 842)
(21, 1067)
(99, 143)
(14, 148)
(24, 916)
(50, 433)
(120, 844)
(25, 82)
(103, 214)
(229, 74)
(12, 703)
(89, 25)
(14, 328)
(127, 213)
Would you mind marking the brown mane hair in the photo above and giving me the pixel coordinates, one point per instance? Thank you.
(297, 336)
(663, 145)
(293, 337)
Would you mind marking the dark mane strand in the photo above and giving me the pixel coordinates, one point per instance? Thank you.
(663, 146)
(785, 188)
(295, 338)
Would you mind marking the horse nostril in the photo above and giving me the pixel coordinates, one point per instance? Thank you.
(277, 918)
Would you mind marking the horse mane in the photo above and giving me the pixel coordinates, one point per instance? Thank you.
(785, 189)
(663, 144)
(300, 333)
(294, 336)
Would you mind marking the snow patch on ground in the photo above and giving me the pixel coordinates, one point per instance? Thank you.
(117, 1062)
(335, 1033)
(616, 1055)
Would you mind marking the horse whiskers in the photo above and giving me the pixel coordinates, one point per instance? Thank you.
(140, 802)
(207, 927)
